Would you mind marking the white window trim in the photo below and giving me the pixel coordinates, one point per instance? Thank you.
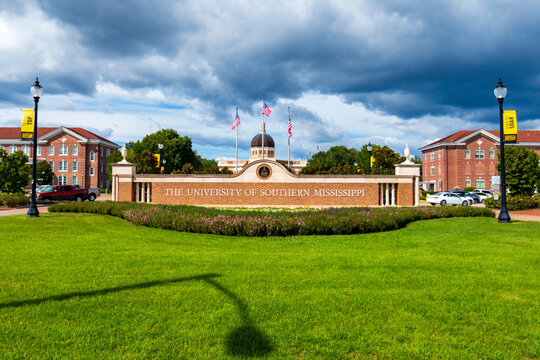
(39, 150)
(51, 147)
(63, 162)
(63, 147)
(75, 149)
(74, 165)
(92, 156)
(467, 154)
(92, 172)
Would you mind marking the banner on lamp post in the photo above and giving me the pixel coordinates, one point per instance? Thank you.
(510, 126)
(27, 124)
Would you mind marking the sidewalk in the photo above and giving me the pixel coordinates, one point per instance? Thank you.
(23, 210)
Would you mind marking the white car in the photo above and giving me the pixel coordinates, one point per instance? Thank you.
(483, 195)
(446, 198)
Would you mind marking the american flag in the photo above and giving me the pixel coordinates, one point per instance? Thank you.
(236, 121)
(290, 127)
(266, 110)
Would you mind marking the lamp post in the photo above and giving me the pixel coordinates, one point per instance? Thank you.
(369, 148)
(500, 94)
(160, 146)
(36, 90)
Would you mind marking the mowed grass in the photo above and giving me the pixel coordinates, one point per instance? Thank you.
(89, 286)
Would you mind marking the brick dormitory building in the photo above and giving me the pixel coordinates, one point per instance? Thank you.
(467, 158)
(76, 155)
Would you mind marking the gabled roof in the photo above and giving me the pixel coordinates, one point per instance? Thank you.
(461, 137)
(45, 132)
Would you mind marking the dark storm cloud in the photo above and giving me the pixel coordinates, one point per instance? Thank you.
(409, 59)
(124, 28)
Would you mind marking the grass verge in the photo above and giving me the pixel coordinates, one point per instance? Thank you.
(88, 286)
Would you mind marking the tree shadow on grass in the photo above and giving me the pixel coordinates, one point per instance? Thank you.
(246, 340)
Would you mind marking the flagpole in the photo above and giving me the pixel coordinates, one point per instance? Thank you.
(237, 142)
(263, 130)
(289, 138)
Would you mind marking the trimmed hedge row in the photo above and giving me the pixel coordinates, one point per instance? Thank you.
(269, 222)
(13, 200)
(514, 203)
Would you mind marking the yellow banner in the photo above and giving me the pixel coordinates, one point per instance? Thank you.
(510, 122)
(371, 161)
(510, 126)
(27, 124)
(157, 159)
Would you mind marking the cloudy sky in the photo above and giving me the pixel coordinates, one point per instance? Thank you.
(389, 72)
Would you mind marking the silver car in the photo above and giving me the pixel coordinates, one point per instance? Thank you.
(446, 198)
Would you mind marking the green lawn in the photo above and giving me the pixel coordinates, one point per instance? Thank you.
(89, 286)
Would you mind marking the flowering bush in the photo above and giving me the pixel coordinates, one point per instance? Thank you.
(269, 223)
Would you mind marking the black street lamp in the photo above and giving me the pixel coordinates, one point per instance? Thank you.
(369, 148)
(36, 90)
(500, 94)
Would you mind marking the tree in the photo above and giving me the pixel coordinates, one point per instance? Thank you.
(385, 159)
(44, 173)
(145, 163)
(14, 171)
(176, 151)
(521, 169)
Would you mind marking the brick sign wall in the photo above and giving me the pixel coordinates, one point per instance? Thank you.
(275, 187)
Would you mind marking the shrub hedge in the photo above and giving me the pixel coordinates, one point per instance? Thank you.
(13, 200)
(514, 203)
(268, 222)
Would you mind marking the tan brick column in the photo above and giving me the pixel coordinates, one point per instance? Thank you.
(123, 185)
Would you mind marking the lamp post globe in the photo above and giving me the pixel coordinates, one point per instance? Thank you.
(500, 93)
(36, 91)
(369, 147)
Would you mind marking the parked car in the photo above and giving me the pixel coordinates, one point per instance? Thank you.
(483, 196)
(446, 198)
(64, 192)
(92, 193)
(465, 194)
(487, 192)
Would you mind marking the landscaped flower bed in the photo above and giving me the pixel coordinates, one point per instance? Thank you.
(269, 222)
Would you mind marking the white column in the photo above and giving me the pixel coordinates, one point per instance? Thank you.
(393, 198)
(113, 193)
(147, 192)
(137, 189)
(387, 194)
(416, 184)
(381, 195)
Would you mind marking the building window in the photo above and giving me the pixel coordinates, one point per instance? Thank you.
(433, 170)
(26, 150)
(101, 151)
(467, 154)
(426, 172)
(108, 152)
(92, 156)
(51, 150)
(480, 184)
(492, 154)
(63, 150)
(62, 180)
(468, 183)
(74, 180)
(62, 166)
(39, 150)
(91, 171)
(439, 155)
(75, 150)
(75, 165)
(51, 164)
(440, 185)
(479, 154)
(439, 169)
(12, 149)
(432, 156)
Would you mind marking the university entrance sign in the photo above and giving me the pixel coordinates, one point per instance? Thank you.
(266, 183)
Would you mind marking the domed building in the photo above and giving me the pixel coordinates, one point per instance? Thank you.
(262, 142)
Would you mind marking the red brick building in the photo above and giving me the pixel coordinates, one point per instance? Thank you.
(467, 158)
(76, 155)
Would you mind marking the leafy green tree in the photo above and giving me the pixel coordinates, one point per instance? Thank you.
(521, 169)
(14, 171)
(177, 150)
(335, 156)
(188, 169)
(145, 163)
(385, 159)
(44, 173)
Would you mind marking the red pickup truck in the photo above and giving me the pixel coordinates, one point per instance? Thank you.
(64, 192)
